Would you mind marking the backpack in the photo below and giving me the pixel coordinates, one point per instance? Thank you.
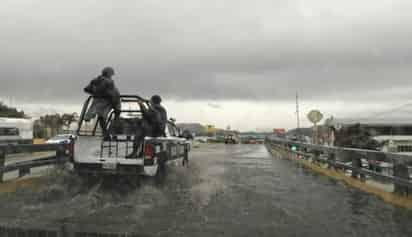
(158, 120)
(93, 87)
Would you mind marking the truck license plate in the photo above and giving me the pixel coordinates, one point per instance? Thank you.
(109, 166)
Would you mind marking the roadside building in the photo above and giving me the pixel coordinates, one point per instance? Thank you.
(196, 129)
(253, 137)
(391, 134)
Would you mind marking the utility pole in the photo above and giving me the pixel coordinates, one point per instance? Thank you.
(297, 115)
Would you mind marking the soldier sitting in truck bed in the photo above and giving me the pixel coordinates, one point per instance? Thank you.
(153, 123)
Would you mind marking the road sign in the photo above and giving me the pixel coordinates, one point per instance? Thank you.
(315, 116)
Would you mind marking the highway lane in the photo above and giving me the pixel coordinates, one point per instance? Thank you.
(228, 190)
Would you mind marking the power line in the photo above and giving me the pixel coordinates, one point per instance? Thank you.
(297, 114)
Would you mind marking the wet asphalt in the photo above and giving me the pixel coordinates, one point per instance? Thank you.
(227, 190)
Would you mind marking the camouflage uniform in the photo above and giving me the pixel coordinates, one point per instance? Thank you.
(158, 119)
(106, 97)
(153, 124)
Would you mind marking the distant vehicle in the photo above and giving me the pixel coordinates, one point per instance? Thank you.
(16, 131)
(95, 155)
(201, 139)
(62, 139)
(253, 140)
(231, 139)
(187, 134)
(216, 139)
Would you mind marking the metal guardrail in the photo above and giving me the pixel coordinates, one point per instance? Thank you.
(63, 153)
(61, 231)
(351, 159)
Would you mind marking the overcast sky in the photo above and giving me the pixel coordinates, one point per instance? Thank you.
(232, 56)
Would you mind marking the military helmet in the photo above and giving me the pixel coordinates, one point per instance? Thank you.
(108, 71)
(156, 99)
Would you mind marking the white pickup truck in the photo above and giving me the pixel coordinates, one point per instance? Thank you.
(95, 155)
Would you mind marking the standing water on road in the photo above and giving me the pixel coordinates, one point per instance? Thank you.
(237, 190)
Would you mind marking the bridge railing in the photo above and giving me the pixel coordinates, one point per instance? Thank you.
(385, 167)
(62, 230)
(61, 154)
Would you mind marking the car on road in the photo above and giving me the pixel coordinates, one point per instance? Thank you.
(95, 155)
(201, 139)
(61, 139)
(232, 139)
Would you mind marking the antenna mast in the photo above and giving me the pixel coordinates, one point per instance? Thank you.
(297, 114)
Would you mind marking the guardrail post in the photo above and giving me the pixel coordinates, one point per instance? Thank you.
(316, 155)
(342, 156)
(61, 155)
(2, 162)
(64, 231)
(400, 170)
(331, 160)
(24, 171)
(356, 164)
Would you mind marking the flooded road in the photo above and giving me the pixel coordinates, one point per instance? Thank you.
(232, 190)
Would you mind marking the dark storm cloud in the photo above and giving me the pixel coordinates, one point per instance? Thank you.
(194, 50)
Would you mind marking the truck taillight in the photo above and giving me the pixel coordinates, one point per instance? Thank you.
(149, 151)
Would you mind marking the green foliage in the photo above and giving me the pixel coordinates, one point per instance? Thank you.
(10, 112)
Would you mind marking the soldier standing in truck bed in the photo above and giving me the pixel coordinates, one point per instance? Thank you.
(106, 97)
